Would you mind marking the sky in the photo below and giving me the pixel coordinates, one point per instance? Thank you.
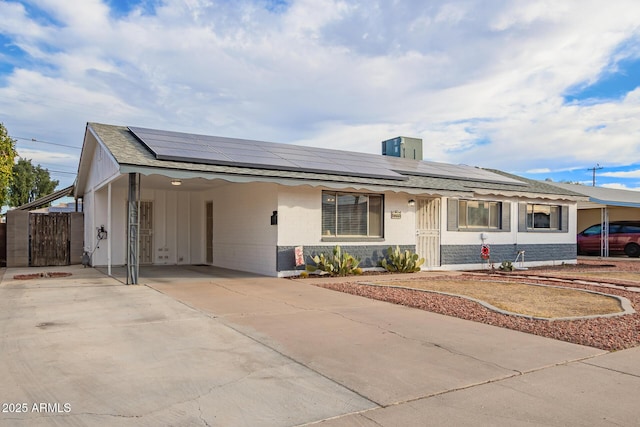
(543, 89)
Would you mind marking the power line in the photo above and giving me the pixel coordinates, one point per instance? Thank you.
(64, 172)
(44, 142)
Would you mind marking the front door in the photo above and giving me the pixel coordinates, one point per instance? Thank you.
(428, 231)
(145, 231)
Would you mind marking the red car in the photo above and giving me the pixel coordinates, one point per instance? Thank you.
(624, 237)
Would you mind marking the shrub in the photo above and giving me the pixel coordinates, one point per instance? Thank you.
(401, 262)
(338, 264)
(506, 266)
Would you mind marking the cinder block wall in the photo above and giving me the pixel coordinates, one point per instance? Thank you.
(76, 237)
(18, 238)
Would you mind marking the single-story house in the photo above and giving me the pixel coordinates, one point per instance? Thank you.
(158, 197)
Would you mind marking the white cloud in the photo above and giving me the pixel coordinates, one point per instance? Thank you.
(46, 156)
(618, 186)
(623, 174)
(342, 74)
(541, 170)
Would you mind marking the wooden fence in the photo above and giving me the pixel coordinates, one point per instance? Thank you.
(44, 239)
(49, 239)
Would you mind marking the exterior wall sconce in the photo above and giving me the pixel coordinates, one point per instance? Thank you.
(274, 218)
(176, 182)
(412, 202)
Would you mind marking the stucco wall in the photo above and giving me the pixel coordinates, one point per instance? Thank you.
(172, 231)
(513, 236)
(461, 249)
(243, 237)
(300, 224)
(300, 219)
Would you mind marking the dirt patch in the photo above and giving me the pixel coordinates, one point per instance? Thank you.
(520, 298)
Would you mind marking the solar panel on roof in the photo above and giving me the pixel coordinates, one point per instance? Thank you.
(183, 147)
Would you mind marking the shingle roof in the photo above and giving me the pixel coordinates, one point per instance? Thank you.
(127, 150)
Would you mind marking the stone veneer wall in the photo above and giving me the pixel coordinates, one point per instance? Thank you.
(369, 255)
(470, 254)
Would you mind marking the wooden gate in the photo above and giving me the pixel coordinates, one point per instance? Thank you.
(428, 231)
(50, 239)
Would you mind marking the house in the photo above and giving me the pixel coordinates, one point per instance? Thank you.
(158, 197)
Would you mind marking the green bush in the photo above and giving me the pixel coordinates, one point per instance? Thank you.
(506, 266)
(338, 264)
(401, 262)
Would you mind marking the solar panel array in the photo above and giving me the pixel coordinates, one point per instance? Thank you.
(215, 150)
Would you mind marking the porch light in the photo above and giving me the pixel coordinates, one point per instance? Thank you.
(176, 182)
(412, 202)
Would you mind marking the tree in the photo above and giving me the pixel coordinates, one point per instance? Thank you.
(7, 156)
(29, 183)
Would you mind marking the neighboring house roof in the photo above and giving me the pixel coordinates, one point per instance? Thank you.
(45, 200)
(602, 196)
(132, 155)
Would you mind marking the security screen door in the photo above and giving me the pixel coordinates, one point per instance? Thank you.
(428, 231)
(146, 233)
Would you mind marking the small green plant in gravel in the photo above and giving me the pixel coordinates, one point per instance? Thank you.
(336, 264)
(398, 261)
(506, 266)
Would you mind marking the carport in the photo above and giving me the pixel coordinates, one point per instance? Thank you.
(603, 206)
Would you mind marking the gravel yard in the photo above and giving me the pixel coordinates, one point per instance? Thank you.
(607, 333)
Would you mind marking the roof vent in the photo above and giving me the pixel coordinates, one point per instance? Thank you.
(402, 146)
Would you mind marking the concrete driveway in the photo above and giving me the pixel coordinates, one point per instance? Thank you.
(204, 346)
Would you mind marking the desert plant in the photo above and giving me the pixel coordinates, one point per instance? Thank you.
(337, 264)
(506, 266)
(401, 262)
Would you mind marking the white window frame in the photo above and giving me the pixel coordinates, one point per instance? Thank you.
(463, 206)
(555, 218)
(370, 234)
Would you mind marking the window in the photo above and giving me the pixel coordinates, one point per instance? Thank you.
(544, 217)
(475, 215)
(535, 217)
(479, 214)
(351, 214)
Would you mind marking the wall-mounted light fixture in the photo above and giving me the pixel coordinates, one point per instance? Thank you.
(412, 202)
(176, 182)
(274, 218)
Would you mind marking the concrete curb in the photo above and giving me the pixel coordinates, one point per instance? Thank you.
(625, 304)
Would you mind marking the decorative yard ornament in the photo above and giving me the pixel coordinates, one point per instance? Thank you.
(485, 251)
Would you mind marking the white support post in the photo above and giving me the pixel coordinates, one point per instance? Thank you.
(604, 231)
(109, 229)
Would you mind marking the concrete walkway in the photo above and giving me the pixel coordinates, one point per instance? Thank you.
(203, 346)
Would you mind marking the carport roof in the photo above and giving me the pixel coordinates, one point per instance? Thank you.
(602, 196)
(45, 200)
(132, 156)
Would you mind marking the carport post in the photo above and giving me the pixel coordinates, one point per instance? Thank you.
(109, 229)
(604, 231)
(133, 206)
